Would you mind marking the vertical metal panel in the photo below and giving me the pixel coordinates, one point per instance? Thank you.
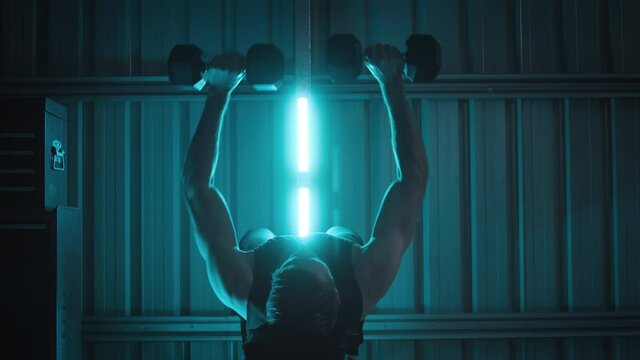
(542, 225)
(112, 37)
(75, 154)
(103, 216)
(335, 17)
(491, 199)
(446, 20)
(391, 350)
(492, 36)
(446, 247)
(284, 163)
(589, 281)
(626, 182)
(586, 24)
(624, 33)
(19, 38)
(206, 350)
(252, 23)
(163, 221)
(445, 349)
(163, 24)
(65, 39)
(208, 23)
(163, 350)
(119, 165)
(254, 178)
(626, 348)
(282, 21)
(491, 349)
(539, 36)
(346, 17)
(388, 22)
(343, 162)
(136, 186)
(88, 282)
(586, 348)
(114, 351)
(537, 349)
(491, 133)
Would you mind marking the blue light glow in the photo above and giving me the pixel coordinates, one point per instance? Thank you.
(303, 211)
(303, 134)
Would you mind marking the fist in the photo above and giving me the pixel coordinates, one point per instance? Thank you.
(225, 71)
(385, 62)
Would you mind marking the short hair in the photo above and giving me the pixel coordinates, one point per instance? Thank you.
(301, 299)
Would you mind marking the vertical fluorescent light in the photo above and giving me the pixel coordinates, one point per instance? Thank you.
(303, 134)
(303, 165)
(303, 211)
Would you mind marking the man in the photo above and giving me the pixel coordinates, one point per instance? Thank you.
(304, 300)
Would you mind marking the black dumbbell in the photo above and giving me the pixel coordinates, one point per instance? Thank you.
(343, 57)
(422, 60)
(264, 62)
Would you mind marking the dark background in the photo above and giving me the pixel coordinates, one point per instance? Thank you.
(529, 245)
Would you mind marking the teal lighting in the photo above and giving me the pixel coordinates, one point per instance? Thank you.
(303, 135)
(303, 211)
(304, 202)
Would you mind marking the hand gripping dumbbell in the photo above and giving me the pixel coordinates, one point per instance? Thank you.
(265, 66)
(422, 60)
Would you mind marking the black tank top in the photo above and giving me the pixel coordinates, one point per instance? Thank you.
(336, 253)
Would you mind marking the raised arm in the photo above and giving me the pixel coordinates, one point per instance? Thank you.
(228, 268)
(399, 213)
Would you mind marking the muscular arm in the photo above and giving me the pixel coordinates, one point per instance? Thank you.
(228, 268)
(399, 212)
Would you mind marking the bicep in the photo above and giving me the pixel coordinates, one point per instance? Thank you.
(394, 228)
(228, 268)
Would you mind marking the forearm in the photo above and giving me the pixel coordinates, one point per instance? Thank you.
(406, 140)
(202, 158)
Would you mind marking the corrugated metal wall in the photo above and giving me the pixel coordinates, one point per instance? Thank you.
(533, 205)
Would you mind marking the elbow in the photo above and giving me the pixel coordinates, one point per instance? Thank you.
(192, 186)
(186, 180)
(188, 191)
(187, 185)
(193, 182)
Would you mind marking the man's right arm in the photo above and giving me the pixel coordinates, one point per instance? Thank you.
(229, 269)
(400, 210)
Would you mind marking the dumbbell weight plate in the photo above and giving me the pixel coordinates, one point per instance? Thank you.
(185, 65)
(265, 67)
(343, 57)
(423, 58)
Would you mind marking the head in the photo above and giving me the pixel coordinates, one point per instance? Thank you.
(303, 298)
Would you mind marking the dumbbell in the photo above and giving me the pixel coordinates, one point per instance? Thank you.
(264, 62)
(422, 59)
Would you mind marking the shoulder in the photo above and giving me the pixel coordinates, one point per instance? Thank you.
(376, 267)
(231, 278)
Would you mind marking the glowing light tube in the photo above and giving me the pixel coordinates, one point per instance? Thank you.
(303, 134)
